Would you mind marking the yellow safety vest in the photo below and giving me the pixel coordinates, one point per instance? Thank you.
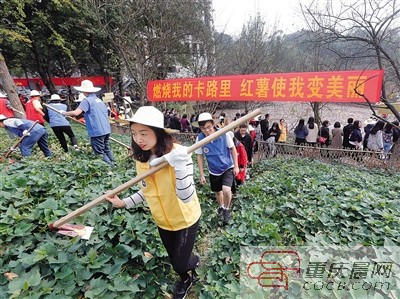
(168, 211)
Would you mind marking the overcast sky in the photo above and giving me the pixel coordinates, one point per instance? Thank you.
(230, 15)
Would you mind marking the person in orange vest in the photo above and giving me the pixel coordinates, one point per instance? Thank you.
(34, 109)
(5, 106)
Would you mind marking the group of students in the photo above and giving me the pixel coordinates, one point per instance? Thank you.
(309, 133)
(94, 110)
(32, 133)
(260, 130)
(170, 193)
(377, 135)
(380, 136)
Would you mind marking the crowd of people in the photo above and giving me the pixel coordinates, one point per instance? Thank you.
(355, 135)
(32, 130)
(171, 192)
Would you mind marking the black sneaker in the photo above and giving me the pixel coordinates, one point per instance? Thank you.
(194, 276)
(182, 288)
(220, 211)
(227, 216)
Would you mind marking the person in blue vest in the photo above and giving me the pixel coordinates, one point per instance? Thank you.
(96, 120)
(59, 124)
(19, 127)
(221, 156)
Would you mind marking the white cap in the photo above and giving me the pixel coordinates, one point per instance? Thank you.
(55, 97)
(205, 116)
(150, 116)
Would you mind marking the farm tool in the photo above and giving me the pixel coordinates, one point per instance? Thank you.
(14, 147)
(19, 112)
(77, 121)
(61, 223)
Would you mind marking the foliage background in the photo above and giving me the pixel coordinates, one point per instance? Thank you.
(286, 202)
(137, 41)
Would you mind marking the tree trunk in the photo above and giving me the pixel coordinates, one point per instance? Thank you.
(9, 87)
(316, 107)
(43, 71)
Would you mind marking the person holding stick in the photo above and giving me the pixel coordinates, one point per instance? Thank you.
(221, 156)
(170, 192)
(19, 127)
(59, 124)
(34, 108)
(96, 120)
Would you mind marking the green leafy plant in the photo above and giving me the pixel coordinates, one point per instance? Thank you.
(286, 202)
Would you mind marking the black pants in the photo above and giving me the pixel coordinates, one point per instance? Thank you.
(179, 245)
(300, 141)
(59, 132)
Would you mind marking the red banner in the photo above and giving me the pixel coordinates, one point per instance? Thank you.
(66, 81)
(337, 86)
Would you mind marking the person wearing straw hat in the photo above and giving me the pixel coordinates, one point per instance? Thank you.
(96, 120)
(59, 124)
(19, 127)
(5, 106)
(170, 192)
(222, 163)
(34, 108)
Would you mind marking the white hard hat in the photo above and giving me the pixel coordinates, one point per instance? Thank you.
(34, 93)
